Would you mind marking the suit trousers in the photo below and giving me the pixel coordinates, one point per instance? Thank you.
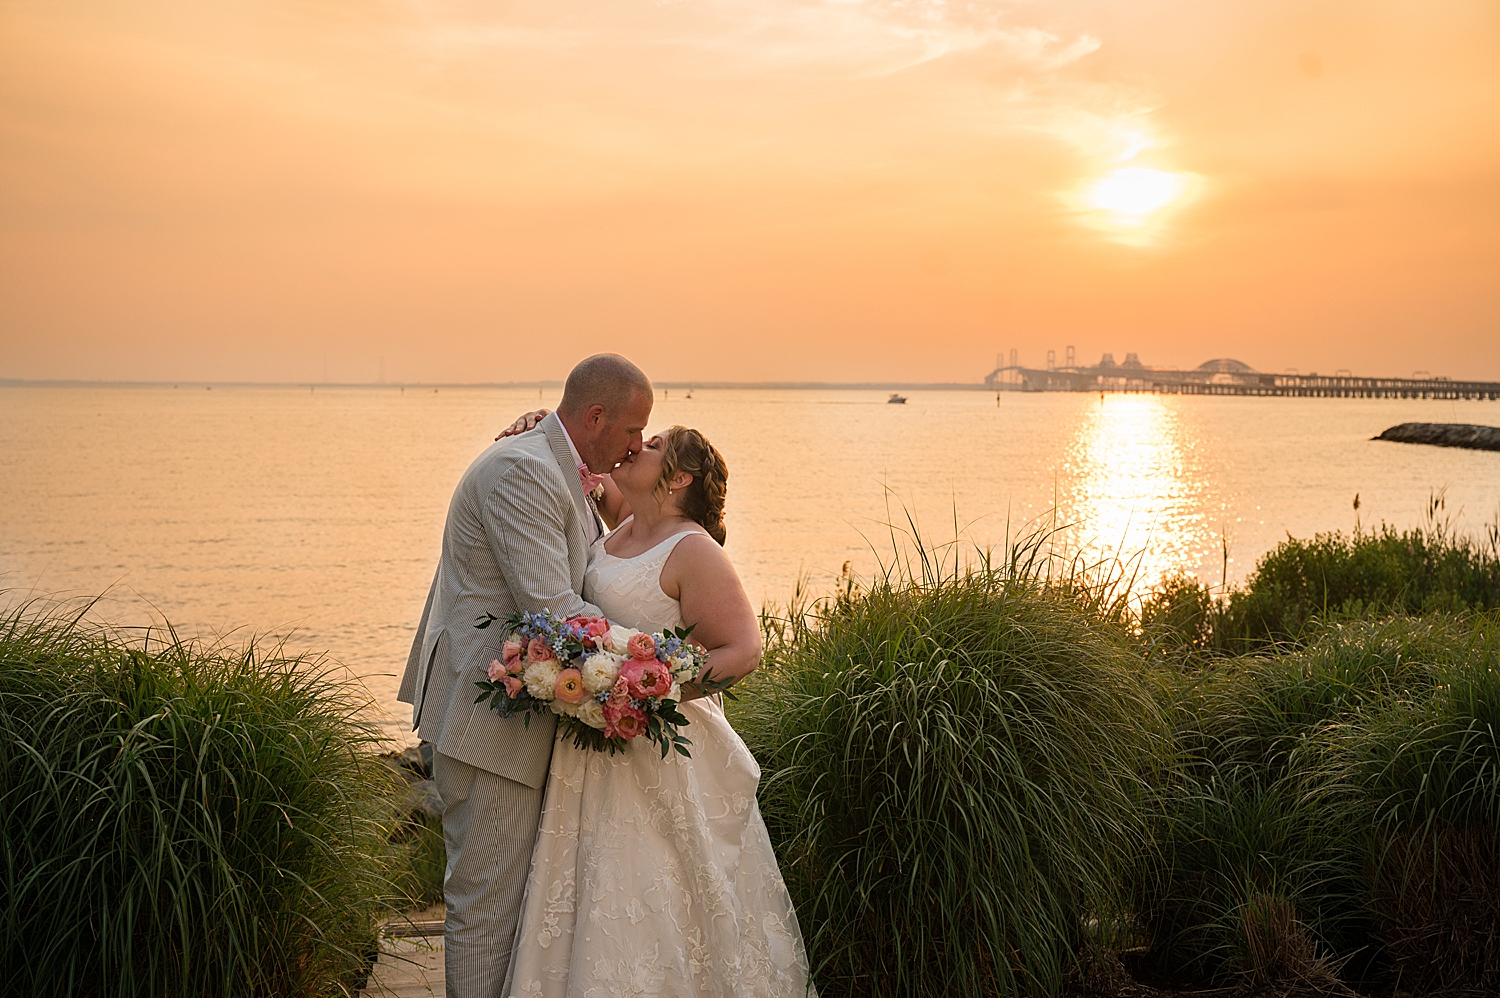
(489, 826)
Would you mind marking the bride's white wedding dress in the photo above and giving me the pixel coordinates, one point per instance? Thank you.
(655, 876)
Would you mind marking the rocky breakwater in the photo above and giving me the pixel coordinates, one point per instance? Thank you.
(414, 765)
(1468, 435)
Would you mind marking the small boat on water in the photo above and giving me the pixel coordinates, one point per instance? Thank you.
(896, 399)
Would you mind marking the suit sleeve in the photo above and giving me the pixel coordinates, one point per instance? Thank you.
(527, 528)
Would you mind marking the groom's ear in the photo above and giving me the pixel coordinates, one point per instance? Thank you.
(593, 416)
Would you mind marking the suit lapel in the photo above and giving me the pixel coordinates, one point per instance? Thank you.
(557, 437)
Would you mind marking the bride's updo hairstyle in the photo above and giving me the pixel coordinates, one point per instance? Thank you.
(702, 501)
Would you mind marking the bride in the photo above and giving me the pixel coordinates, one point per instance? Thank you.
(655, 876)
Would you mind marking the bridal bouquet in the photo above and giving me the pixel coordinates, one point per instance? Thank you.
(607, 684)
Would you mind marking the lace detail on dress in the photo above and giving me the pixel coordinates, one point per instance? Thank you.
(655, 876)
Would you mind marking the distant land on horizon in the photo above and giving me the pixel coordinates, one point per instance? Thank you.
(668, 385)
(676, 385)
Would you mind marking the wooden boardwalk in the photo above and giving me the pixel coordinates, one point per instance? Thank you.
(408, 968)
(411, 959)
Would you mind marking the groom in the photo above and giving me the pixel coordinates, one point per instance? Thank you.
(517, 538)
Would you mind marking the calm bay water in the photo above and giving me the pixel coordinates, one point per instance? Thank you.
(278, 510)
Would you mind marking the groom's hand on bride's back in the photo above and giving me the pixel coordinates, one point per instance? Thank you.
(524, 423)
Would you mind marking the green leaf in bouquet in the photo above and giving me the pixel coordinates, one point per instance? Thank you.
(485, 620)
(487, 687)
(720, 686)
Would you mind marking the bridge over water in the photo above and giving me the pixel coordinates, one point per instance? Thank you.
(1229, 377)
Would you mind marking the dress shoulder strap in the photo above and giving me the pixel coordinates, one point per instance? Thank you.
(666, 547)
(656, 552)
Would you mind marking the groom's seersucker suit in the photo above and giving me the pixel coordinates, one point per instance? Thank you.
(517, 538)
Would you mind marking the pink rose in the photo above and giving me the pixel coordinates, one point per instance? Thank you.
(538, 651)
(641, 646)
(513, 686)
(622, 720)
(620, 692)
(570, 686)
(645, 679)
(595, 628)
(496, 669)
(511, 655)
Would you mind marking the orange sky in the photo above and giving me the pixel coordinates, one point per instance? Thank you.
(745, 189)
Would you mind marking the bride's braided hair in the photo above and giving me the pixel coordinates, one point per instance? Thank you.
(689, 451)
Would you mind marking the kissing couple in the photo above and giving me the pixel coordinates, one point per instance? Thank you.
(575, 873)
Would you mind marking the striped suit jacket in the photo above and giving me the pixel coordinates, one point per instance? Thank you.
(514, 540)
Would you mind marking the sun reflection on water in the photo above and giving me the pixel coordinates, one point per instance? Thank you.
(1133, 484)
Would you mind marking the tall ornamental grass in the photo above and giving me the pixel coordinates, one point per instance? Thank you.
(422, 859)
(183, 819)
(952, 767)
(1306, 793)
(1250, 819)
(1427, 569)
(1427, 763)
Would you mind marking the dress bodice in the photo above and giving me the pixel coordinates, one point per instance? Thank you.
(628, 590)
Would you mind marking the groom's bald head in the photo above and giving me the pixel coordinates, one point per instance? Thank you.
(605, 406)
(605, 379)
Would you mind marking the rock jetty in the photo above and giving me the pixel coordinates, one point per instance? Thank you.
(414, 765)
(1445, 435)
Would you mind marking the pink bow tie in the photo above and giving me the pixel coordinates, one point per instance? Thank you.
(588, 479)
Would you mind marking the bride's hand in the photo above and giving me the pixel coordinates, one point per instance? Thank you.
(524, 423)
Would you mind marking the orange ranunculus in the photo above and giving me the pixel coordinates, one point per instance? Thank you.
(570, 686)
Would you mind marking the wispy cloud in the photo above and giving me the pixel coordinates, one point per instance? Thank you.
(870, 36)
(986, 68)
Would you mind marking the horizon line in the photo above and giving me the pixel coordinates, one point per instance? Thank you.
(668, 385)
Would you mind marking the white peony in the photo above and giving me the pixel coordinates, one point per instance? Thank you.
(541, 678)
(563, 707)
(590, 712)
(600, 670)
(618, 638)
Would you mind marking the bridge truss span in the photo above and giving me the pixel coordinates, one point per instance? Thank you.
(1242, 382)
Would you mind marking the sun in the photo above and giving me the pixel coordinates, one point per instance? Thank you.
(1134, 193)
